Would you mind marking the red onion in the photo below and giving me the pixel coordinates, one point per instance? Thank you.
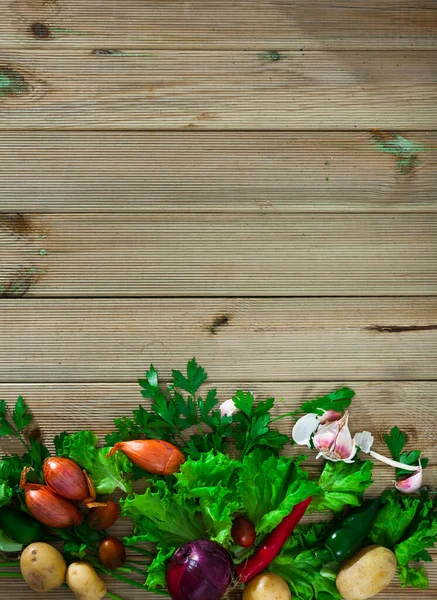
(199, 570)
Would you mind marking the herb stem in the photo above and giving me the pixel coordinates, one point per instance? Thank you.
(13, 575)
(142, 551)
(136, 569)
(9, 564)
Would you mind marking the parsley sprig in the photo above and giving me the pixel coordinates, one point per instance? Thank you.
(172, 413)
(396, 441)
(193, 422)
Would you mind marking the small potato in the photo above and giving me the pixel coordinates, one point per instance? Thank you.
(42, 567)
(84, 582)
(367, 573)
(267, 586)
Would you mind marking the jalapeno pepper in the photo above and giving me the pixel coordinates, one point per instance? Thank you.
(352, 531)
(20, 527)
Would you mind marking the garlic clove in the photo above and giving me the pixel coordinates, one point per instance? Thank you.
(304, 428)
(228, 408)
(345, 446)
(329, 415)
(326, 436)
(412, 483)
(364, 441)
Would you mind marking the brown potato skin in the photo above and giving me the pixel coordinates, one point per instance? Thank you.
(43, 567)
(267, 586)
(367, 573)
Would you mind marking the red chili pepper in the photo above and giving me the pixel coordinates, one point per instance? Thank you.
(272, 545)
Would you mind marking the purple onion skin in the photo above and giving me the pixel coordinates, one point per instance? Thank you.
(200, 570)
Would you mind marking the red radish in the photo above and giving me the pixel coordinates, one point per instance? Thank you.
(272, 545)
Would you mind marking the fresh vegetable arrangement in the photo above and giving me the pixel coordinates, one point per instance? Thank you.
(213, 503)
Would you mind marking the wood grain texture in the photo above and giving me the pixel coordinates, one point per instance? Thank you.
(218, 90)
(217, 172)
(218, 24)
(254, 339)
(95, 406)
(218, 255)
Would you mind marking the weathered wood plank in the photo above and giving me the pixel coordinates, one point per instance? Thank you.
(218, 90)
(377, 406)
(315, 339)
(218, 24)
(217, 172)
(218, 255)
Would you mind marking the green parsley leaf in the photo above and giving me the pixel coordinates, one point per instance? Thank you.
(342, 484)
(338, 400)
(269, 487)
(244, 402)
(20, 415)
(252, 425)
(395, 441)
(36, 456)
(196, 375)
(5, 427)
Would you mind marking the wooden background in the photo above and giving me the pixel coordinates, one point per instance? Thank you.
(250, 182)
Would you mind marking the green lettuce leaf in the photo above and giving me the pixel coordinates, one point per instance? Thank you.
(162, 517)
(157, 569)
(107, 473)
(211, 481)
(421, 536)
(268, 488)
(342, 484)
(413, 577)
(393, 519)
(301, 560)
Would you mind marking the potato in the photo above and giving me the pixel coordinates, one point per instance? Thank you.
(365, 574)
(42, 567)
(84, 582)
(267, 586)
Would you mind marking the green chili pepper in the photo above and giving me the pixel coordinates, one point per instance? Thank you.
(353, 531)
(20, 527)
